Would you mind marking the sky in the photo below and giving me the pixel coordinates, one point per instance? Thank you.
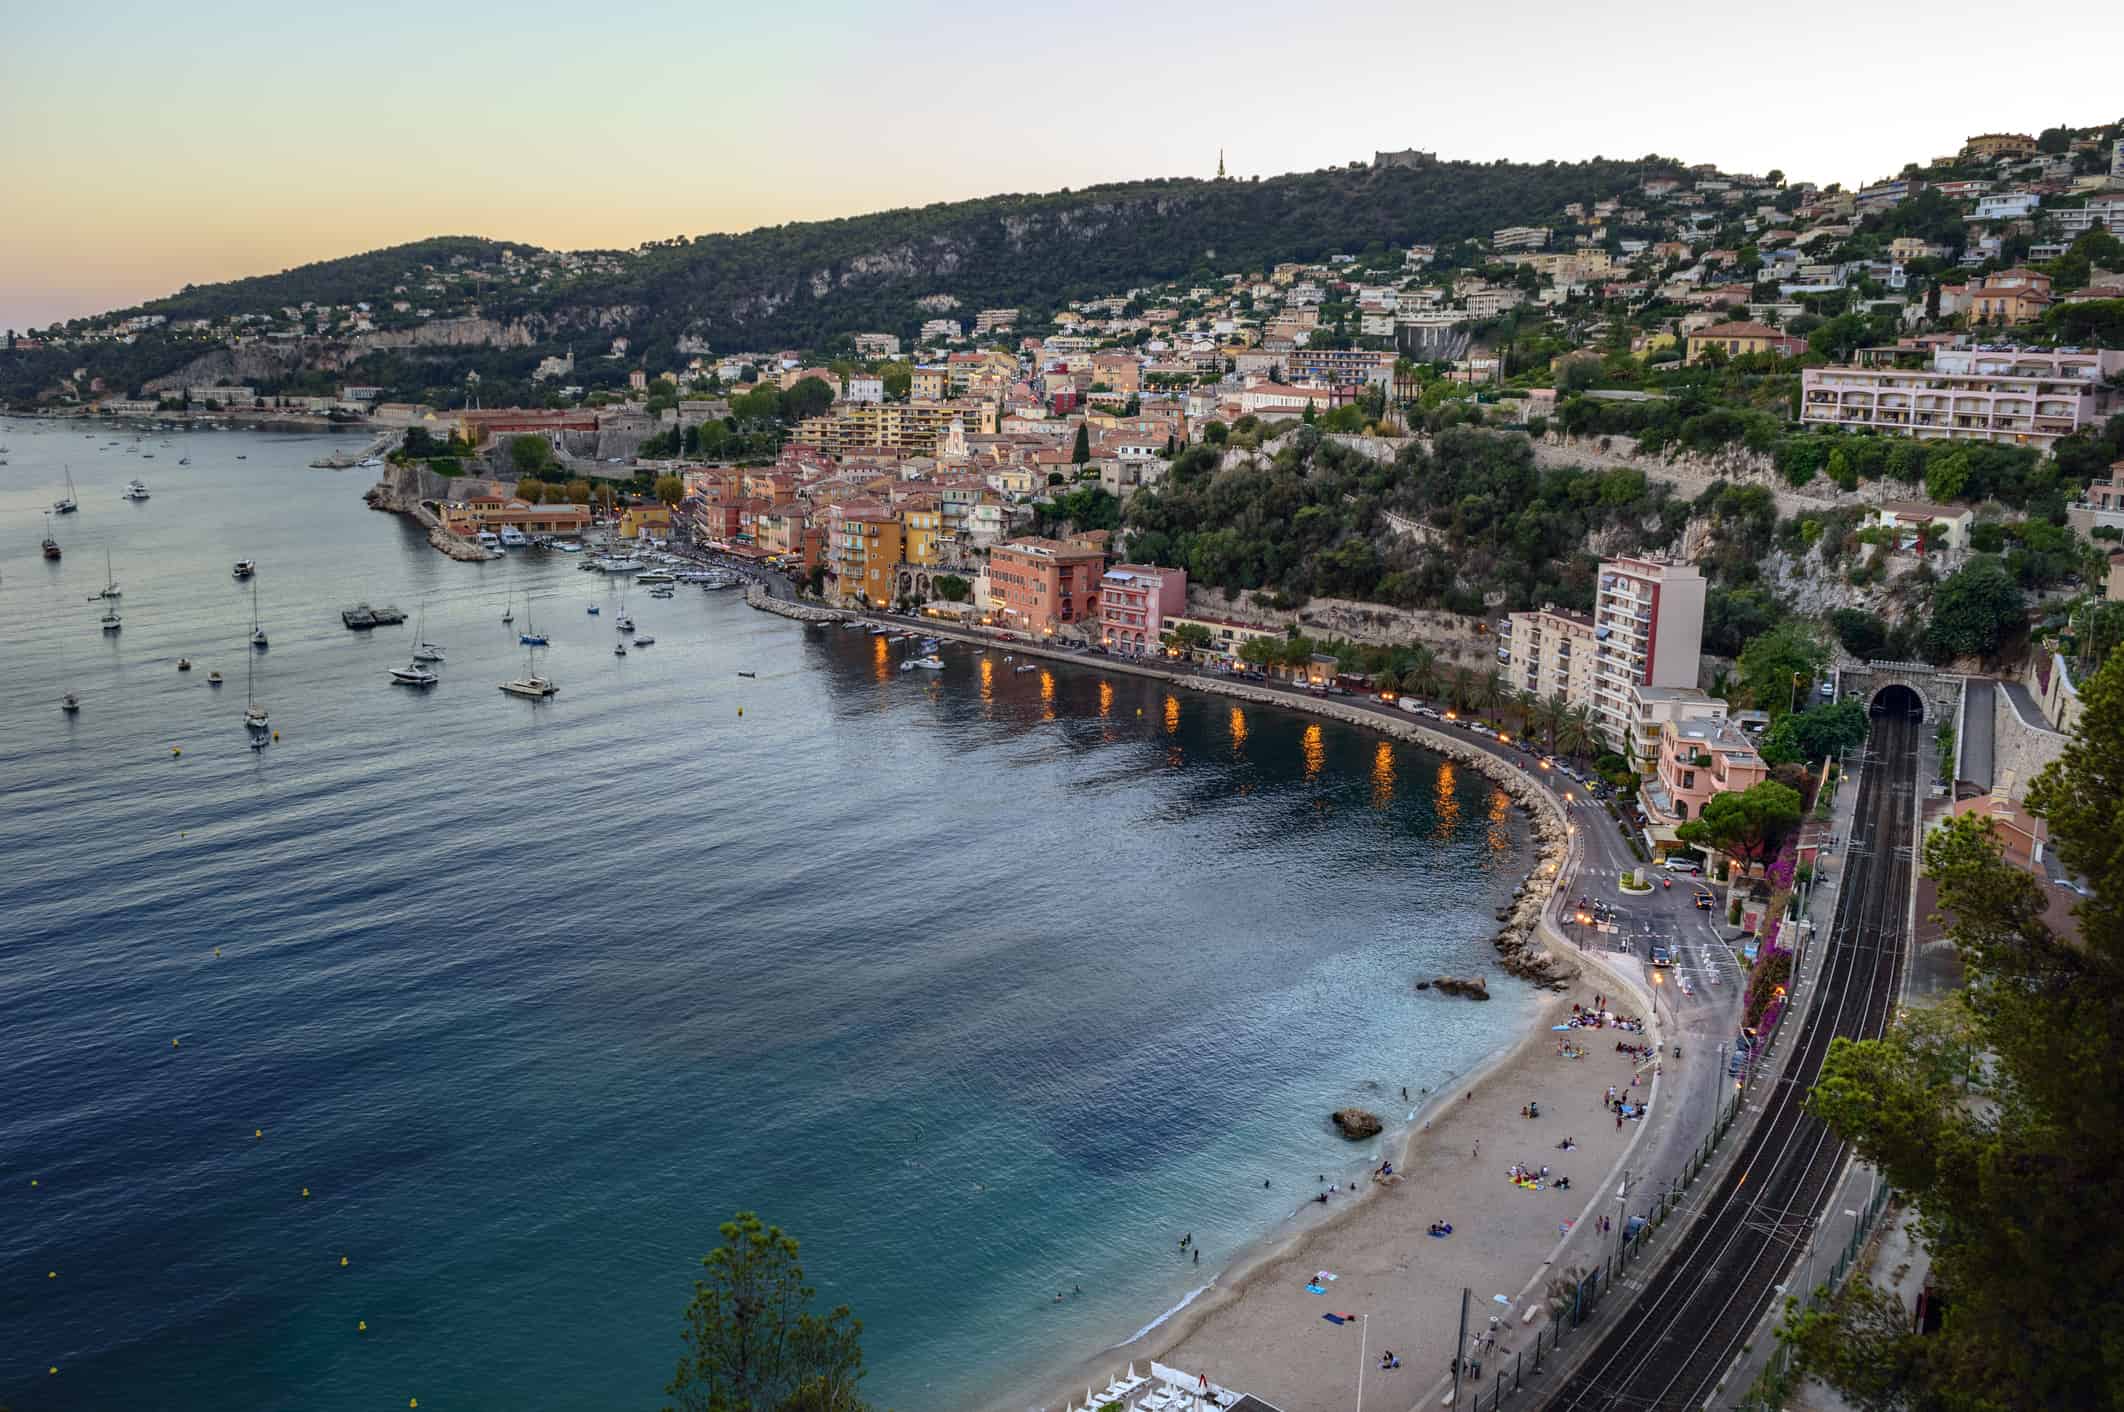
(144, 147)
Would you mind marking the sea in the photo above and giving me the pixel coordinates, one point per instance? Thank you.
(421, 1053)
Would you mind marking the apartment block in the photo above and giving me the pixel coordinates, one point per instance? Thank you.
(1043, 586)
(1339, 367)
(2022, 396)
(1648, 629)
(1551, 652)
(863, 543)
(1136, 604)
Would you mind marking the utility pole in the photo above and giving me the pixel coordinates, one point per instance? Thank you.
(1460, 1348)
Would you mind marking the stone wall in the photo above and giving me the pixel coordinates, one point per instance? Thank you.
(1453, 636)
(2022, 743)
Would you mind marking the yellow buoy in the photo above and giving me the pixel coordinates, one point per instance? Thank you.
(306, 1193)
(175, 751)
(276, 735)
(741, 710)
(362, 1326)
(258, 1132)
(33, 1181)
(55, 1367)
(412, 1402)
(173, 1044)
(53, 1275)
(342, 1262)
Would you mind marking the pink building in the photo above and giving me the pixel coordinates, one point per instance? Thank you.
(1135, 600)
(1698, 759)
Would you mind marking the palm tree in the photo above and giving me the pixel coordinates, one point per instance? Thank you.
(1548, 716)
(1421, 674)
(1387, 682)
(1529, 706)
(1575, 733)
(1461, 687)
(1491, 691)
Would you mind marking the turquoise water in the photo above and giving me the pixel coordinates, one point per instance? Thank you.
(984, 984)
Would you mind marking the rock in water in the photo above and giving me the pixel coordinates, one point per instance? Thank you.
(1476, 989)
(1356, 1123)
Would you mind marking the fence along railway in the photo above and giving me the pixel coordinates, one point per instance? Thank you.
(1672, 1343)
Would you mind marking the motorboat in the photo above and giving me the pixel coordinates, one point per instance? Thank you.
(110, 620)
(593, 610)
(658, 576)
(214, 678)
(488, 539)
(512, 537)
(533, 639)
(136, 489)
(880, 630)
(645, 640)
(184, 664)
(245, 568)
(184, 460)
(414, 674)
(70, 703)
(748, 674)
(930, 663)
(854, 623)
(1027, 667)
(619, 649)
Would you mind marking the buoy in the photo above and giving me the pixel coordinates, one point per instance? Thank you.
(741, 710)
(258, 1132)
(175, 751)
(55, 1367)
(217, 951)
(361, 1326)
(412, 1402)
(342, 1262)
(173, 1044)
(53, 1275)
(276, 735)
(33, 1181)
(306, 1193)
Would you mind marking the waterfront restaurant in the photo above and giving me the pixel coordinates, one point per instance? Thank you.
(466, 518)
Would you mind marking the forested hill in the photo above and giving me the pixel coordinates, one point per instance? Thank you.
(348, 280)
(799, 284)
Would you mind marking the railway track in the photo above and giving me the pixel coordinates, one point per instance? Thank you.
(1675, 1339)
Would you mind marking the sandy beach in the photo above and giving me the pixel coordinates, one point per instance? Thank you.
(1261, 1331)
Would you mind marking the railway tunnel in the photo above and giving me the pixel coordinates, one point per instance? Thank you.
(1897, 700)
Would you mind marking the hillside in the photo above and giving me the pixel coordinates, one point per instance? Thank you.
(801, 285)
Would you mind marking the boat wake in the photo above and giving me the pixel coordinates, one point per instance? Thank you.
(1192, 1295)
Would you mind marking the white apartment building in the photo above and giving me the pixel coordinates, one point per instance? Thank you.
(877, 345)
(2104, 211)
(1648, 629)
(1551, 652)
(1519, 238)
(2021, 396)
(865, 387)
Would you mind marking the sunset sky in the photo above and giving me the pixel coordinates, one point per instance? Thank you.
(150, 146)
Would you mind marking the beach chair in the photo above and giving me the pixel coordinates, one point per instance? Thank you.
(1158, 1401)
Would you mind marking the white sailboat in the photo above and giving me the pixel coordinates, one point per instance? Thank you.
(414, 674)
(68, 504)
(530, 684)
(254, 715)
(111, 622)
(110, 587)
(424, 650)
(509, 609)
(258, 634)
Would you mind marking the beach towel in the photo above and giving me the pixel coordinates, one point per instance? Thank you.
(1338, 1318)
(1322, 1277)
(1440, 1235)
(1314, 1289)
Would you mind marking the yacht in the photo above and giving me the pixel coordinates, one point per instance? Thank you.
(414, 674)
(658, 576)
(512, 537)
(623, 622)
(644, 640)
(245, 568)
(67, 504)
(136, 489)
(258, 634)
(51, 546)
(254, 714)
(928, 663)
(488, 539)
(427, 652)
(619, 566)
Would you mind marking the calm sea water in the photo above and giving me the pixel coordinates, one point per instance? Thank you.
(984, 984)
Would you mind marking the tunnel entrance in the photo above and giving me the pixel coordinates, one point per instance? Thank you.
(1896, 699)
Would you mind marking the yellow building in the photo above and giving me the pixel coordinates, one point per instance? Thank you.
(1999, 144)
(922, 533)
(929, 382)
(863, 543)
(637, 520)
(900, 428)
(1734, 339)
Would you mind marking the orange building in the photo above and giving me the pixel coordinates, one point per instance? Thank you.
(1044, 585)
(863, 543)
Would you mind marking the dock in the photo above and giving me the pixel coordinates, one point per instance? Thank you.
(361, 616)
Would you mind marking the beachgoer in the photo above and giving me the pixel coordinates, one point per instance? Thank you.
(1264, 1183)
(1198, 1255)
(1478, 1147)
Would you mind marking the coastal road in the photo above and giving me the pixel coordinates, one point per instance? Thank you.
(1673, 1342)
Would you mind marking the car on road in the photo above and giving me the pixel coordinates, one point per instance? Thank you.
(1662, 956)
(1681, 863)
(1704, 901)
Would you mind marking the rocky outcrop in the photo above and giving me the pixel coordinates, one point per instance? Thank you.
(1474, 987)
(1356, 1123)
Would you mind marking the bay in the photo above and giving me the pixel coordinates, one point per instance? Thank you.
(987, 985)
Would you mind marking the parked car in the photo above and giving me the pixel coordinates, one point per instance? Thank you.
(1682, 863)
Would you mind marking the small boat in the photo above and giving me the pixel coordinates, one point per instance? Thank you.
(645, 640)
(184, 664)
(184, 460)
(748, 674)
(111, 621)
(533, 639)
(852, 623)
(243, 458)
(214, 678)
(593, 610)
(930, 663)
(67, 504)
(427, 652)
(51, 546)
(258, 634)
(509, 609)
(70, 703)
(136, 489)
(1027, 667)
(245, 568)
(619, 649)
(512, 537)
(414, 674)
(880, 630)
